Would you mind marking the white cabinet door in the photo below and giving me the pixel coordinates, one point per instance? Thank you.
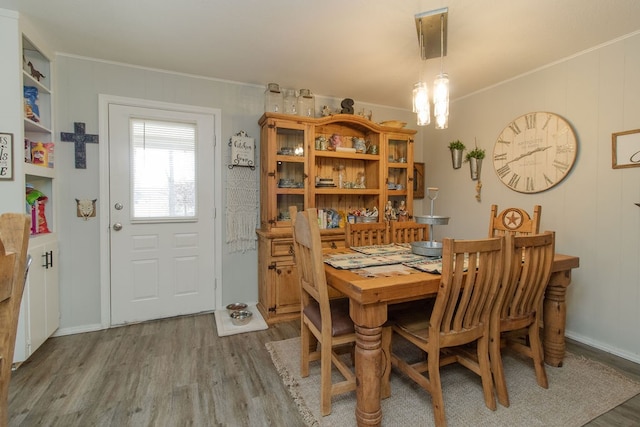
(52, 291)
(39, 312)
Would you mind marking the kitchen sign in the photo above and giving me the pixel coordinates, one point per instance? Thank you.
(6, 156)
(242, 151)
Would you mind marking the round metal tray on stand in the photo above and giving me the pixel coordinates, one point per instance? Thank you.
(430, 248)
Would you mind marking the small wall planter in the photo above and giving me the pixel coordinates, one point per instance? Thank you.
(474, 157)
(456, 158)
(475, 167)
(456, 148)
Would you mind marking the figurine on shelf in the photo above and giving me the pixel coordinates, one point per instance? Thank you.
(390, 212)
(321, 143)
(334, 142)
(359, 144)
(360, 181)
(35, 73)
(403, 215)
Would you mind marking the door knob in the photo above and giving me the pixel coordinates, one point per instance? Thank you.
(117, 226)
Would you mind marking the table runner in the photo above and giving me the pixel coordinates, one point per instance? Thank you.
(352, 261)
(387, 257)
(392, 248)
(385, 260)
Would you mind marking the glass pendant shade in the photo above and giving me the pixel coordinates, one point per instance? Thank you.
(441, 101)
(421, 103)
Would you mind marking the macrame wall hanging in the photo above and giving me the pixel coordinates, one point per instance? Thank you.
(242, 196)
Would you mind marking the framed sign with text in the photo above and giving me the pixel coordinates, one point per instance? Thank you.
(625, 148)
(242, 151)
(6, 156)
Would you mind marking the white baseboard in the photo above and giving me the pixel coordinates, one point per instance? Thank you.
(604, 347)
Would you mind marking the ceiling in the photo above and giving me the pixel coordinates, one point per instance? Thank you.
(362, 49)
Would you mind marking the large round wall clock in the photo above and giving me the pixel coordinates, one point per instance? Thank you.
(534, 152)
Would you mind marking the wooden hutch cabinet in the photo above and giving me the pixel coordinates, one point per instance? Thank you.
(299, 167)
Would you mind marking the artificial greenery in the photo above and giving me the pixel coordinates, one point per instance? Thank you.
(476, 153)
(456, 145)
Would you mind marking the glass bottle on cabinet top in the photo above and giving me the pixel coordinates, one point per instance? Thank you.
(306, 103)
(290, 101)
(273, 101)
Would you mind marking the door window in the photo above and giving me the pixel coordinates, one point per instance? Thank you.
(164, 170)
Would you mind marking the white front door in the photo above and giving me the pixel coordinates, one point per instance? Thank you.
(161, 185)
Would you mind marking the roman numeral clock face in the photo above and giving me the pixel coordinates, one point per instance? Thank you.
(534, 152)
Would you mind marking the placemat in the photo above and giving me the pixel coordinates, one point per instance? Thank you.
(433, 265)
(351, 261)
(383, 249)
(428, 265)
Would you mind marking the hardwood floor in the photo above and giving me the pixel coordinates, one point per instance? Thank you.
(171, 372)
(178, 372)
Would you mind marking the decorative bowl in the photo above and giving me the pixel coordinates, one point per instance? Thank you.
(236, 306)
(427, 248)
(240, 318)
(366, 219)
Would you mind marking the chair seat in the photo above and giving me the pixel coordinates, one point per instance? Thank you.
(341, 323)
(412, 316)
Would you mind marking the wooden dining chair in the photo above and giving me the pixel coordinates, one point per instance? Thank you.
(14, 240)
(325, 324)
(366, 234)
(460, 316)
(527, 271)
(407, 232)
(514, 221)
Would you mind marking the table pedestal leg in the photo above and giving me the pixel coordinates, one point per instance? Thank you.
(555, 317)
(369, 364)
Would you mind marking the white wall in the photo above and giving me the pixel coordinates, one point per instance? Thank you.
(592, 210)
(11, 192)
(80, 81)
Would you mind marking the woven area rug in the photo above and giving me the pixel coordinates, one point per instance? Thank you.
(578, 392)
(226, 327)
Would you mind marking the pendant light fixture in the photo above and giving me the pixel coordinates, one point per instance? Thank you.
(441, 88)
(431, 28)
(420, 90)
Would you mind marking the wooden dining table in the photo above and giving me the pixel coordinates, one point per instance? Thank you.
(369, 298)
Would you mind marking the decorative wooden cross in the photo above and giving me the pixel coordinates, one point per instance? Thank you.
(80, 139)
